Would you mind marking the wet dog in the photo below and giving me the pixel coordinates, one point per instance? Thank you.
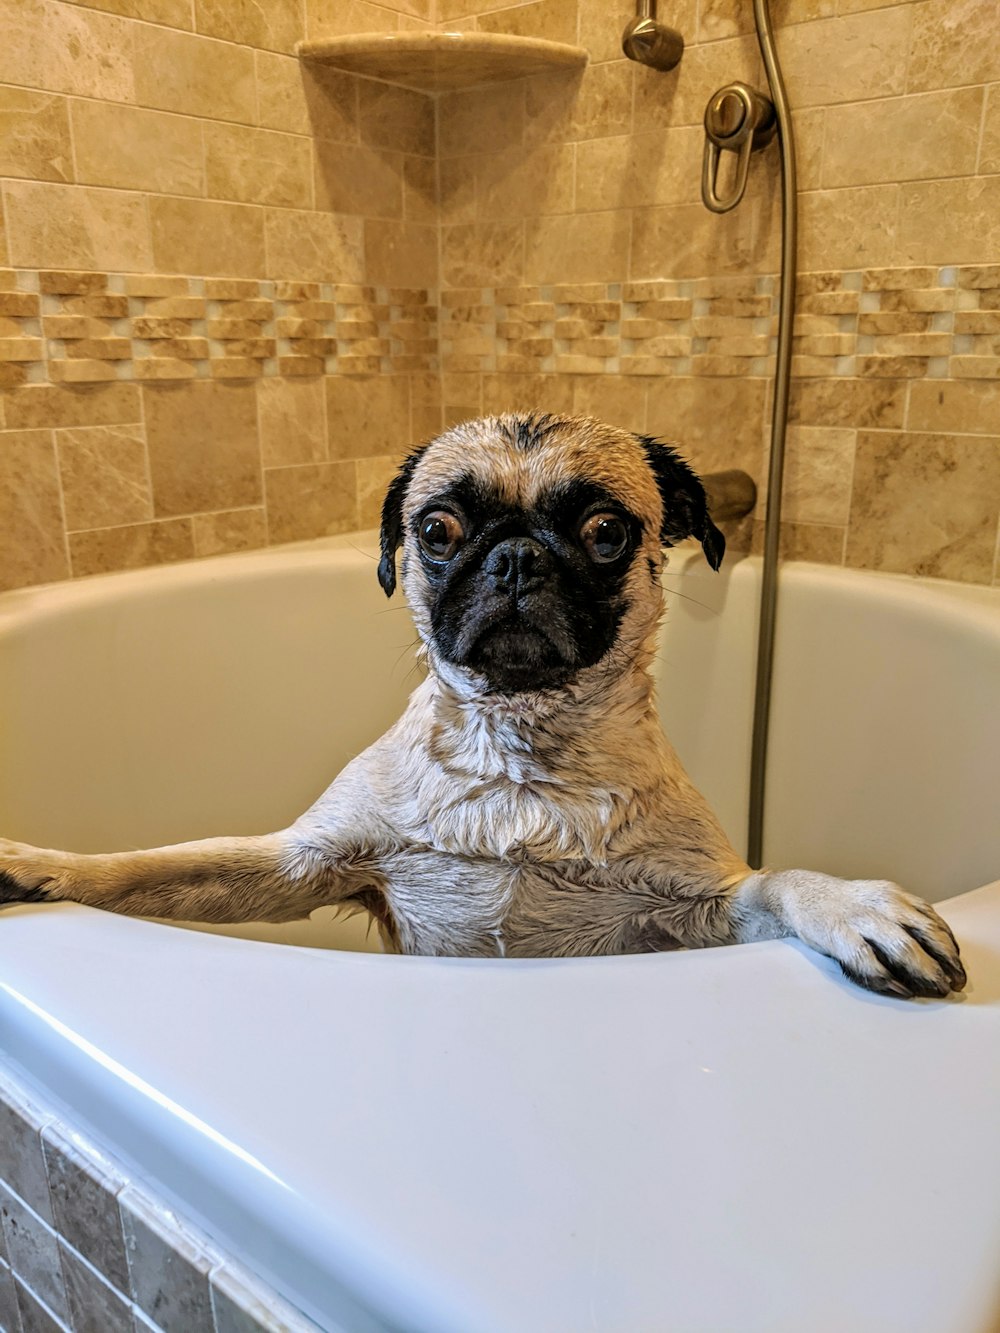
(527, 802)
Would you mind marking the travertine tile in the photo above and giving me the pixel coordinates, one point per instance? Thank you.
(311, 500)
(34, 135)
(989, 156)
(167, 1267)
(351, 178)
(255, 166)
(292, 416)
(281, 95)
(959, 406)
(511, 392)
(954, 42)
(420, 190)
(10, 1318)
(680, 241)
(22, 1162)
(91, 1302)
(315, 247)
(331, 99)
(105, 479)
(400, 253)
(395, 118)
(950, 221)
(367, 416)
(555, 20)
(525, 182)
(276, 26)
(32, 549)
(480, 254)
(334, 18)
(104, 550)
(848, 58)
(204, 453)
(925, 504)
(848, 402)
(374, 476)
(66, 49)
(818, 542)
(174, 13)
(46, 405)
(629, 171)
(819, 463)
(462, 116)
(84, 1185)
(903, 138)
(591, 104)
(582, 247)
(33, 1252)
(72, 226)
(848, 228)
(202, 236)
(135, 149)
(716, 423)
(618, 399)
(232, 530)
(176, 71)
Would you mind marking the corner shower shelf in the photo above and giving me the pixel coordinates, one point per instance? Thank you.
(437, 62)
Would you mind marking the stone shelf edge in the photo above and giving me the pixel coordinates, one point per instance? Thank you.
(436, 62)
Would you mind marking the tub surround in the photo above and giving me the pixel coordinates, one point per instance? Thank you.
(86, 1244)
(462, 1190)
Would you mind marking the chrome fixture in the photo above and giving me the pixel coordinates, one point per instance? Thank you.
(650, 42)
(738, 119)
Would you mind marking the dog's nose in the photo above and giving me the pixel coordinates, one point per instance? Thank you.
(518, 565)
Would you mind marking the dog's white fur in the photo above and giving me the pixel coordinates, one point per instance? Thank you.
(553, 822)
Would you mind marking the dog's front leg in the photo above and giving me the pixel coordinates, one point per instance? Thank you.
(277, 877)
(884, 939)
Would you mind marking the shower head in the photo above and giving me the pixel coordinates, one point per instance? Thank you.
(651, 42)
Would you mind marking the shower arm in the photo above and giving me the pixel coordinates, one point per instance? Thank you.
(650, 42)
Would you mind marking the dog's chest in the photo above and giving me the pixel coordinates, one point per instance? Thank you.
(480, 907)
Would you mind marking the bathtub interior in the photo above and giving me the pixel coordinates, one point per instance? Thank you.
(223, 697)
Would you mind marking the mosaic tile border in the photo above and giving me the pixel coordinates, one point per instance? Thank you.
(895, 323)
(85, 1247)
(89, 328)
(86, 328)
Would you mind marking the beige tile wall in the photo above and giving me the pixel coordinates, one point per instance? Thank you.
(236, 287)
(579, 214)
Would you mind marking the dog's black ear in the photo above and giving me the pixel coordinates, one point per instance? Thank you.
(685, 509)
(391, 536)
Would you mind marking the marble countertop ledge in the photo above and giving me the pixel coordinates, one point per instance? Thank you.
(436, 62)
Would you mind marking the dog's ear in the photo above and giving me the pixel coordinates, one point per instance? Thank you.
(391, 536)
(685, 509)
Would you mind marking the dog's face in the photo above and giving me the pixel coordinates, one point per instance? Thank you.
(532, 546)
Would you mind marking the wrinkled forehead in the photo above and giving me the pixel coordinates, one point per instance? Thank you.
(521, 463)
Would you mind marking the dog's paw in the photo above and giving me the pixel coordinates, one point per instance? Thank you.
(28, 874)
(884, 939)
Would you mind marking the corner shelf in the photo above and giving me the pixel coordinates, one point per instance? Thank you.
(437, 62)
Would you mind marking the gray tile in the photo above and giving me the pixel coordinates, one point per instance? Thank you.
(244, 1304)
(35, 1318)
(83, 1185)
(33, 1252)
(10, 1318)
(22, 1165)
(168, 1268)
(94, 1306)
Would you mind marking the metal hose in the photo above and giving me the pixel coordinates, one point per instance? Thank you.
(779, 419)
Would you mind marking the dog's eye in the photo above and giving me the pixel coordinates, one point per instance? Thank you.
(441, 534)
(604, 537)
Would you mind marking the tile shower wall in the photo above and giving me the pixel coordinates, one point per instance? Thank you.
(579, 267)
(85, 1247)
(216, 328)
(233, 289)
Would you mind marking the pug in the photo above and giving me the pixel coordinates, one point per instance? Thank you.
(527, 803)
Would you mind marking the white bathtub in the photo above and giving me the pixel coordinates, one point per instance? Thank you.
(389, 1140)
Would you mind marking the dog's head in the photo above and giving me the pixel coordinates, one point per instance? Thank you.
(532, 546)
